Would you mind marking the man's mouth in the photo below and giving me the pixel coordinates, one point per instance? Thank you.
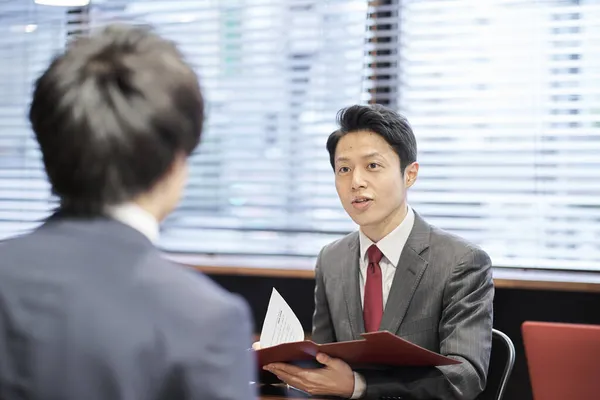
(361, 200)
(361, 203)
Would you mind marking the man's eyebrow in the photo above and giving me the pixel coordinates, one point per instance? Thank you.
(370, 155)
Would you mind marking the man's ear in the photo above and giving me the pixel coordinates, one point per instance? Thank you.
(180, 161)
(410, 174)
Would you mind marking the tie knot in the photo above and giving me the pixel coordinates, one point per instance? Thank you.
(374, 254)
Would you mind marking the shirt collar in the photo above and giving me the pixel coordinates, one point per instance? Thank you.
(392, 244)
(136, 217)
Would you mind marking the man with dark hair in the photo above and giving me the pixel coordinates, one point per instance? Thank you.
(398, 273)
(88, 307)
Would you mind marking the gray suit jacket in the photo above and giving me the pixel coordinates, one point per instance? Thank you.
(441, 299)
(90, 310)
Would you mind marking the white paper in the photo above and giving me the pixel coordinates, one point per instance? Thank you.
(281, 324)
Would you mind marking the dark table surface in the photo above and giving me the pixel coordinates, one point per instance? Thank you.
(278, 392)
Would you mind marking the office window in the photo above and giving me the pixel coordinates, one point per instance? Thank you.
(503, 95)
(28, 40)
(275, 72)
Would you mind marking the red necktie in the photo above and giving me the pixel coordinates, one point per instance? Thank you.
(373, 302)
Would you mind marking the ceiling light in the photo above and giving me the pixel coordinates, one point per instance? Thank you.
(63, 3)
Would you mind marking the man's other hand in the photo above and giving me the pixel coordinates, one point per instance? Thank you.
(334, 379)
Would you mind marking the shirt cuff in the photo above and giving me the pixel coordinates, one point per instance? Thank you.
(360, 386)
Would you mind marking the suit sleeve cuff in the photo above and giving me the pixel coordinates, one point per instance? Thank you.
(360, 386)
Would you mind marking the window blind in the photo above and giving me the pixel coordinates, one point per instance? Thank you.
(274, 73)
(29, 37)
(503, 96)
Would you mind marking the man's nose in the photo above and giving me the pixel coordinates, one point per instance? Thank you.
(358, 181)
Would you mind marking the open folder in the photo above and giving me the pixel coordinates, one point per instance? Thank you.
(282, 340)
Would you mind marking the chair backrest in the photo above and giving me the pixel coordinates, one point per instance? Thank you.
(502, 361)
(563, 360)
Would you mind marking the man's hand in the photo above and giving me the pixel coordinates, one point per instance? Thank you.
(335, 379)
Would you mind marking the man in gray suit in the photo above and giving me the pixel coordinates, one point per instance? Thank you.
(398, 273)
(88, 307)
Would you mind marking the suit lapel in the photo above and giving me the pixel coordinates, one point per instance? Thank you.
(350, 278)
(409, 272)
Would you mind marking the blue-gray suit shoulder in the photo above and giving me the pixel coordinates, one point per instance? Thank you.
(437, 240)
(90, 309)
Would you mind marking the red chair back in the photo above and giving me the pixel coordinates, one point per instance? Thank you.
(563, 360)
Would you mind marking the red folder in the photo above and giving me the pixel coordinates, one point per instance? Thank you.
(377, 348)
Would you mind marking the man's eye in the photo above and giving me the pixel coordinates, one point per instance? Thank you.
(343, 170)
(373, 165)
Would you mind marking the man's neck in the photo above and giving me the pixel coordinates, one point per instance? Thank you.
(137, 217)
(385, 227)
(151, 205)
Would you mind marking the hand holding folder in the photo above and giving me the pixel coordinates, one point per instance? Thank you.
(282, 334)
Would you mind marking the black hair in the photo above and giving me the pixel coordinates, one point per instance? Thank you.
(112, 113)
(388, 124)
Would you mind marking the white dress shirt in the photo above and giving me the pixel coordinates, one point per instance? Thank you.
(391, 246)
(136, 217)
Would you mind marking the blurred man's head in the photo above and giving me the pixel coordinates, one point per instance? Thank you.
(116, 117)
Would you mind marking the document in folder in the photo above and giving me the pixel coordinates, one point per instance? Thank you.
(282, 341)
(281, 324)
